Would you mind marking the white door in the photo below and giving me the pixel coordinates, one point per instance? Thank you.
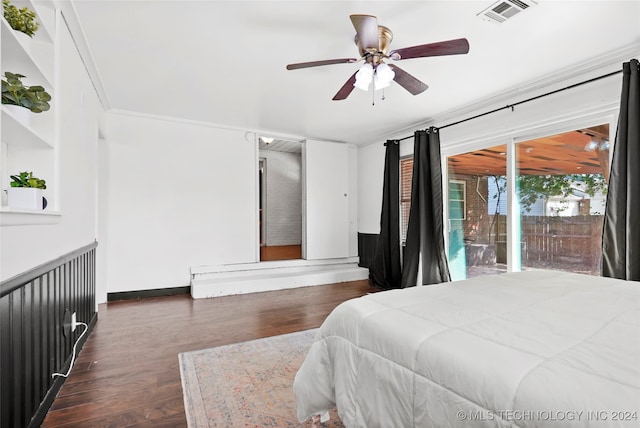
(326, 226)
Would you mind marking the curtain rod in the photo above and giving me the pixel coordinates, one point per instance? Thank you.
(511, 106)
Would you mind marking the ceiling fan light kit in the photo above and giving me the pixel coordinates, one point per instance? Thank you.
(383, 77)
(373, 42)
(364, 76)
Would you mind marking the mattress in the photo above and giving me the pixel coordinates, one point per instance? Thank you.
(525, 349)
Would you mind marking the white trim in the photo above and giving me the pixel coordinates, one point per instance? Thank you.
(9, 217)
(70, 18)
(262, 188)
(276, 135)
(256, 180)
(463, 200)
(539, 129)
(593, 117)
(514, 257)
(589, 69)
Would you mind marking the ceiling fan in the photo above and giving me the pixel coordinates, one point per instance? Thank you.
(373, 43)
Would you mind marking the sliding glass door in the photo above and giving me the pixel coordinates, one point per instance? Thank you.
(548, 217)
(562, 185)
(477, 212)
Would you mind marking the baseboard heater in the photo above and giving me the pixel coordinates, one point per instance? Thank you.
(225, 280)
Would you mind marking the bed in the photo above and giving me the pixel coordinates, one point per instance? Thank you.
(534, 348)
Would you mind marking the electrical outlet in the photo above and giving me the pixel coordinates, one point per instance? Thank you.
(73, 322)
(66, 323)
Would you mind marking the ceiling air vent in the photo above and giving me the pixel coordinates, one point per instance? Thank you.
(502, 10)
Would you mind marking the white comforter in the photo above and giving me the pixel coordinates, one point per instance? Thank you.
(536, 348)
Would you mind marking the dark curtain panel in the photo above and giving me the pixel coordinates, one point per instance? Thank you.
(621, 232)
(425, 232)
(385, 270)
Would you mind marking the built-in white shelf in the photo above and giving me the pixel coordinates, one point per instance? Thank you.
(13, 217)
(17, 131)
(45, 15)
(30, 57)
(29, 139)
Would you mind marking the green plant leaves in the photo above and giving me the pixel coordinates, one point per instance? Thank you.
(14, 78)
(34, 98)
(26, 179)
(23, 20)
(532, 187)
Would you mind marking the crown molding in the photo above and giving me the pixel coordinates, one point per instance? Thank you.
(256, 132)
(77, 33)
(582, 71)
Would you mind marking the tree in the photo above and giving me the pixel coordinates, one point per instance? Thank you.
(501, 187)
(533, 187)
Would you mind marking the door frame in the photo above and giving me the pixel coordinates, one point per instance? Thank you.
(262, 201)
(261, 162)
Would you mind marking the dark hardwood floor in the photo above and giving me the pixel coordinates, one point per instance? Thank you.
(280, 252)
(127, 374)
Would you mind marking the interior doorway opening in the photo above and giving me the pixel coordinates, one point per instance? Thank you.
(280, 173)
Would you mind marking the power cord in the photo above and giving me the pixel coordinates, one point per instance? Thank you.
(73, 355)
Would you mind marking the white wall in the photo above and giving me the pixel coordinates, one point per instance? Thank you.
(586, 105)
(283, 197)
(26, 246)
(179, 195)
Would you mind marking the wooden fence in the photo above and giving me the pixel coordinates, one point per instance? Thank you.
(547, 240)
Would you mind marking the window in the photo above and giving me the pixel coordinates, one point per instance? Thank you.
(406, 173)
(457, 198)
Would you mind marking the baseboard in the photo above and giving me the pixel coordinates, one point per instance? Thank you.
(141, 294)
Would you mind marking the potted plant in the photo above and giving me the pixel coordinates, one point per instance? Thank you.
(26, 191)
(23, 20)
(14, 92)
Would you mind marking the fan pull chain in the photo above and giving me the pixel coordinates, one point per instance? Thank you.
(373, 97)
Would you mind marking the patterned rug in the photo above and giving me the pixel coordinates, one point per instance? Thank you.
(247, 384)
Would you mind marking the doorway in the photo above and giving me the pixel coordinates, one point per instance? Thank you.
(280, 198)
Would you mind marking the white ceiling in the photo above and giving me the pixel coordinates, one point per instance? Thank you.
(224, 62)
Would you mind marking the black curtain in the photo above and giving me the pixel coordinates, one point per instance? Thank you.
(385, 270)
(425, 232)
(621, 231)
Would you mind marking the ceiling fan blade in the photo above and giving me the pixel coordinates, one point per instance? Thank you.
(346, 89)
(319, 63)
(449, 47)
(407, 81)
(366, 30)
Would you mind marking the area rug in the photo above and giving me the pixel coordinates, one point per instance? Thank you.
(248, 384)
